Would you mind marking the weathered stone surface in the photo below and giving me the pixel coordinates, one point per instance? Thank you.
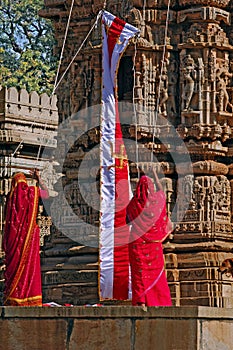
(25, 334)
(116, 327)
(93, 335)
(216, 335)
(210, 167)
(72, 293)
(182, 334)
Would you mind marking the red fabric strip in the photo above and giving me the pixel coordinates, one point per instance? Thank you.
(113, 34)
(121, 235)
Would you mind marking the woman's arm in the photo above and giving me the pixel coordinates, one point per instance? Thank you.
(157, 182)
(36, 175)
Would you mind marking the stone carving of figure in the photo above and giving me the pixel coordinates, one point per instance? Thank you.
(222, 81)
(50, 177)
(189, 78)
(212, 77)
(199, 195)
(212, 197)
(185, 193)
(163, 91)
(76, 96)
(172, 86)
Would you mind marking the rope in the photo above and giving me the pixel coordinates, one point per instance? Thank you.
(59, 65)
(38, 153)
(18, 147)
(56, 84)
(160, 78)
(88, 34)
(63, 46)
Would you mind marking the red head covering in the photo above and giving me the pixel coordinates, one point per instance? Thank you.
(147, 212)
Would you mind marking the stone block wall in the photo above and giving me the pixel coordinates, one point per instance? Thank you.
(115, 328)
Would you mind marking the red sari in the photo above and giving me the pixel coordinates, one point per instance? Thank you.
(21, 245)
(147, 214)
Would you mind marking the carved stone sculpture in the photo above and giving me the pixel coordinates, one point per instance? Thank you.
(189, 79)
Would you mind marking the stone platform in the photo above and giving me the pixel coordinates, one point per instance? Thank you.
(116, 327)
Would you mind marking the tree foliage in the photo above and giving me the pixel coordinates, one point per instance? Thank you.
(26, 46)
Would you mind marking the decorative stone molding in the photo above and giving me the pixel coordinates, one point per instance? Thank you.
(210, 167)
(217, 3)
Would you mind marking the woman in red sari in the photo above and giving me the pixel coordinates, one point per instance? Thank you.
(150, 226)
(21, 243)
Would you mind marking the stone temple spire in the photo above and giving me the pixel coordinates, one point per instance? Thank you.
(179, 74)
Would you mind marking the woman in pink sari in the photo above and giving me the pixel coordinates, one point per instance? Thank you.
(150, 226)
(21, 243)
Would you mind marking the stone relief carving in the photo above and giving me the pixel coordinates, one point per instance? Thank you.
(209, 201)
(209, 167)
(189, 77)
(203, 13)
(223, 77)
(217, 3)
(199, 131)
(50, 177)
(163, 89)
(205, 33)
(172, 86)
(192, 84)
(212, 78)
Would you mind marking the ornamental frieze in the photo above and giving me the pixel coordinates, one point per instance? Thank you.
(216, 3)
(204, 13)
(210, 167)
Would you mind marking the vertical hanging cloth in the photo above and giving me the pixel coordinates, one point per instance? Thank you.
(114, 188)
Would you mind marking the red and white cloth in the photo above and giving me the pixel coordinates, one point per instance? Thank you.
(114, 189)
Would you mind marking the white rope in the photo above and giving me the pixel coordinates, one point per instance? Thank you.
(38, 153)
(55, 83)
(63, 46)
(160, 78)
(15, 152)
(17, 148)
(59, 65)
(88, 34)
(58, 69)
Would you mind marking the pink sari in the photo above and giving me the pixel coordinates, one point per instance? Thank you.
(147, 214)
(21, 245)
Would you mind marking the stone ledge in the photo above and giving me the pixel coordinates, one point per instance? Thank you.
(194, 312)
(116, 327)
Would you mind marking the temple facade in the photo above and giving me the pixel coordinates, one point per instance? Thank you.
(175, 88)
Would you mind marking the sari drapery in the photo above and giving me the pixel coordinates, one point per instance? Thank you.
(150, 226)
(21, 243)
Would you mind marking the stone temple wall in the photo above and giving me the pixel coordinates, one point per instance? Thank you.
(182, 89)
(116, 327)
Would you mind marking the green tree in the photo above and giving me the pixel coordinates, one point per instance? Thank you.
(26, 46)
